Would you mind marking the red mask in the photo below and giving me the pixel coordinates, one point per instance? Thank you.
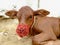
(22, 30)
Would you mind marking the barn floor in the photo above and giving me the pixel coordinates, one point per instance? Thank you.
(8, 35)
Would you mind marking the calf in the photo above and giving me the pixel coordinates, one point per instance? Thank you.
(36, 23)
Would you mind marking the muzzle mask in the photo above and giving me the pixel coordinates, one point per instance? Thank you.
(22, 30)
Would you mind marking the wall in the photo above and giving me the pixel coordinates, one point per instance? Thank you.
(52, 6)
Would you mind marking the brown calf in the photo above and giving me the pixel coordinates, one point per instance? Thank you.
(43, 28)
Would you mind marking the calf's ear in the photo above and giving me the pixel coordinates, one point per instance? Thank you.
(11, 13)
(41, 12)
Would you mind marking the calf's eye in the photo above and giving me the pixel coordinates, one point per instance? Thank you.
(30, 16)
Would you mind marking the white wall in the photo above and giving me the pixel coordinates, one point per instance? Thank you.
(8, 4)
(52, 5)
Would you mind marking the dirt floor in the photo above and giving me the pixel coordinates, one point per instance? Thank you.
(8, 34)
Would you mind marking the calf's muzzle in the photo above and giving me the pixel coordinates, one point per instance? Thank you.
(22, 30)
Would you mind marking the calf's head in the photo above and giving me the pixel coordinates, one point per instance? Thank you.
(25, 17)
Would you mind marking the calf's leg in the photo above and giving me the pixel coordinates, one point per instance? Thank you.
(38, 39)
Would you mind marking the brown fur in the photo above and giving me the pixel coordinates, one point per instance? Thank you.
(44, 28)
(11, 13)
